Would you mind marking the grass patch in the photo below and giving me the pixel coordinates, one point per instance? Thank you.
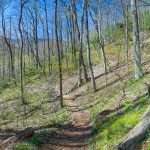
(40, 137)
(115, 127)
(60, 117)
(99, 107)
(23, 146)
(39, 110)
(107, 133)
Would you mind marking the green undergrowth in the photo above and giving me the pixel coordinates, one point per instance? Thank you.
(133, 87)
(148, 148)
(108, 132)
(37, 139)
(23, 146)
(39, 110)
(60, 117)
(145, 145)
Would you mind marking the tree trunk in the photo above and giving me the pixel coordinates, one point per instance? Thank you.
(100, 40)
(126, 34)
(137, 52)
(36, 33)
(21, 53)
(4, 55)
(79, 41)
(89, 49)
(8, 43)
(59, 57)
(81, 46)
(48, 41)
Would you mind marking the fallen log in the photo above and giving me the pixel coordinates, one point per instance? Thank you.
(7, 142)
(25, 134)
(137, 134)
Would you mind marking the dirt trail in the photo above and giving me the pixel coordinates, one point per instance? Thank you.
(74, 135)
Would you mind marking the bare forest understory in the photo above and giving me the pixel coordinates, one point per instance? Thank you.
(75, 75)
(77, 130)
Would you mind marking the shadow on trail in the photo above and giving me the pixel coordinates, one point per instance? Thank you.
(69, 136)
(5, 134)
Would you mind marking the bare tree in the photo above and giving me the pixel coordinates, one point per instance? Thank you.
(48, 41)
(97, 20)
(58, 49)
(8, 43)
(137, 52)
(22, 3)
(80, 40)
(35, 31)
(125, 12)
(88, 48)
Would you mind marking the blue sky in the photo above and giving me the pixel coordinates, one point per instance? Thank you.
(12, 11)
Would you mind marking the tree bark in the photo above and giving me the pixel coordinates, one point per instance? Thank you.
(79, 40)
(127, 33)
(7, 41)
(48, 41)
(21, 49)
(89, 49)
(59, 56)
(36, 33)
(137, 52)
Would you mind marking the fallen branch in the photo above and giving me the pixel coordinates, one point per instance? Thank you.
(7, 142)
(25, 134)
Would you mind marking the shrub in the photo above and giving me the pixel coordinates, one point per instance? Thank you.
(35, 140)
(4, 84)
(23, 146)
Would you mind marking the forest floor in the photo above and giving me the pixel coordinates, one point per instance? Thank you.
(75, 135)
(83, 106)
